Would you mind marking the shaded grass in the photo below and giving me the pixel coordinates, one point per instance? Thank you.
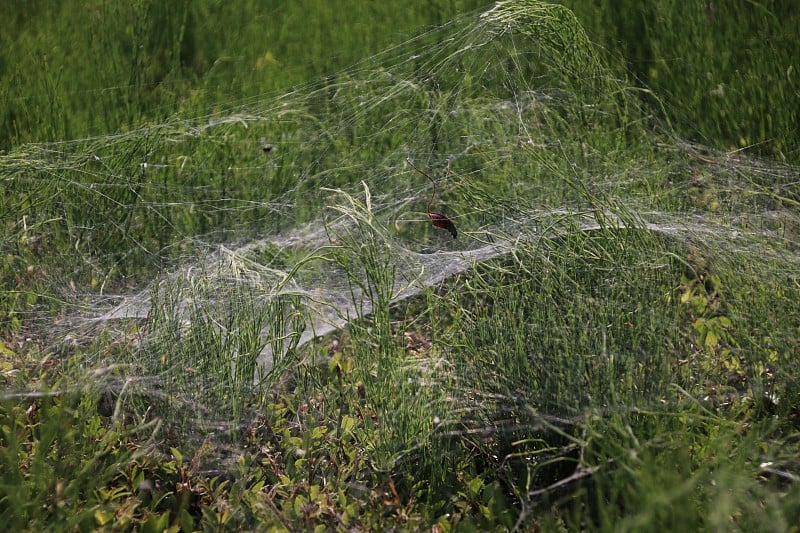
(727, 73)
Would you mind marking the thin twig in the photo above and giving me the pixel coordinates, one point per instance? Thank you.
(580, 473)
(430, 201)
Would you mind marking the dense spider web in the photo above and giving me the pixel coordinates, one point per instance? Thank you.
(254, 222)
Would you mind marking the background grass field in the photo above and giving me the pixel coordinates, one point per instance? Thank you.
(610, 343)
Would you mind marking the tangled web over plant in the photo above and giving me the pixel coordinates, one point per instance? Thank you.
(601, 266)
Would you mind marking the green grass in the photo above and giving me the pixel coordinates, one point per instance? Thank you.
(727, 72)
(627, 363)
(73, 70)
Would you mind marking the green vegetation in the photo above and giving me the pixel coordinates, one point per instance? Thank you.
(609, 344)
(727, 70)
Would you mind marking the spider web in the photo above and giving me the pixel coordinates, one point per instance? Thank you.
(225, 223)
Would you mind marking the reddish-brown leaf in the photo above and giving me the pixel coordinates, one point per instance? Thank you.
(441, 221)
